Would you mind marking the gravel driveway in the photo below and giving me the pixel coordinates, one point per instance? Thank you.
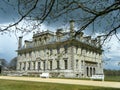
(65, 81)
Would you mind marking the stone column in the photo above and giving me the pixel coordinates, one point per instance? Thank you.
(84, 68)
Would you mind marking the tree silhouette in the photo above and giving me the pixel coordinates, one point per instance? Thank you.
(103, 16)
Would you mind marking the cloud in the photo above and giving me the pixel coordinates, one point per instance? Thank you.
(112, 53)
(114, 46)
(8, 45)
(9, 42)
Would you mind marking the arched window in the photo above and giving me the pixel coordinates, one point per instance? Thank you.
(93, 71)
(87, 70)
(90, 71)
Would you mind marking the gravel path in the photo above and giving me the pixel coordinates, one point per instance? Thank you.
(66, 81)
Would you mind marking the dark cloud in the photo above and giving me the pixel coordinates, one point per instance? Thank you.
(8, 11)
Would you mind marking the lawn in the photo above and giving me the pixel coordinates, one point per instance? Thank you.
(112, 78)
(24, 85)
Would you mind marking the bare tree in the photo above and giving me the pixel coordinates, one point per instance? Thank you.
(103, 16)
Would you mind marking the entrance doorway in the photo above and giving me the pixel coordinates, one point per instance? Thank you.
(87, 71)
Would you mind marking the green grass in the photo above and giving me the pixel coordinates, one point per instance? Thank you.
(24, 85)
(112, 78)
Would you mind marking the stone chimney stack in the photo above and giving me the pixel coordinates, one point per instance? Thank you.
(72, 32)
(72, 25)
(20, 42)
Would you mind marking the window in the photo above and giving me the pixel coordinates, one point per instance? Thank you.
(81, 63)
(33, 65)
(38, 65)
(24, 67)
(87, 69)
(50, 65)
(66, 64)
(58, 66)
(77, 64)
(50, 51)
(93, 71)
(44, 65)
(28, 65)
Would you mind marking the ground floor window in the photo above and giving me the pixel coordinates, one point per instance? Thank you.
(58, 65)
(66, 64)
(38, 65)
(93, 71)
(24, 67)
(44, 65)
(87, 69)
(90, 71)
(33, 65)
(77, 64)
(28, 65)
(50, 65)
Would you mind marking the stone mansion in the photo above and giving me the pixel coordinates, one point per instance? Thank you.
(60, 53)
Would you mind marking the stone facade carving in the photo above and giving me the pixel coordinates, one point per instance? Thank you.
(61, 54)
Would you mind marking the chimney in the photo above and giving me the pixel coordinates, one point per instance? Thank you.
(20, 42)
(72, 25)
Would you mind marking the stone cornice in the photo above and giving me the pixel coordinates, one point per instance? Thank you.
(72, 42)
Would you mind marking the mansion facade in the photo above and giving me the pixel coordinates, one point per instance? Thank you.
(60, 53)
